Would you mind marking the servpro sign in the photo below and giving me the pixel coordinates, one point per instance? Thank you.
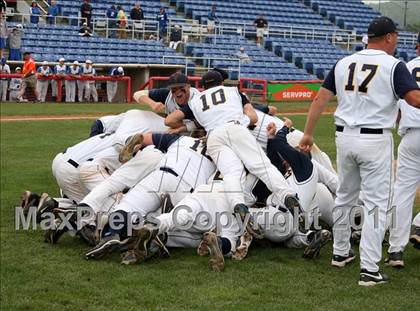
(292, 90)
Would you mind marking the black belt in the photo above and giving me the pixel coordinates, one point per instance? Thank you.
(75, 164)
(172, 172)
(363, 130)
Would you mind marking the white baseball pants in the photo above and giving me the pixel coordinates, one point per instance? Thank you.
(232, 147)
(406, 183)
(111, 90)
(4, 84)
(70, 91)
(42, 86)
(364, 163)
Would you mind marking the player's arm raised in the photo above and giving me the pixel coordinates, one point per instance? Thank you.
(143, 98)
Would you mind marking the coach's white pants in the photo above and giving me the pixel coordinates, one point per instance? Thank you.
(364, 163)
(54, 88)
(4, 84)
(42, 86)
(81, 86)
(126, 176)
(70, 91)
(232, 147)
(202, 211)
(111, 90)
(406, 183)
(91, 91)
(68, 178)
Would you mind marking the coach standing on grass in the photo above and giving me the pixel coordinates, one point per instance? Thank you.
(368, 85)
(29, 76)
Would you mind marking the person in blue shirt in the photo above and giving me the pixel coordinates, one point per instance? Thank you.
(111, 86)
(111, 15)
(162, 17)
(53, 12)
(212, 19)
(35, 13)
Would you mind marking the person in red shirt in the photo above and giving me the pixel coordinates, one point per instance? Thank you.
(29, 76)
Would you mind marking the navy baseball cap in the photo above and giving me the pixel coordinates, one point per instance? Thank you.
(418, 40)
(381, 26)
(211, 77)
(177, 79)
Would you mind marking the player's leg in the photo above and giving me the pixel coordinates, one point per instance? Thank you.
(245, 146)
(80, 88)
(325, 204)
(68, 91)
(407, 181)
(94, 92)
(377, 176)
(54, 85)
(4, 86)
(415, 237)
(347, 195)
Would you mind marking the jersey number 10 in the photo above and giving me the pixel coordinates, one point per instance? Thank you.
(217, 97)
(363, 87)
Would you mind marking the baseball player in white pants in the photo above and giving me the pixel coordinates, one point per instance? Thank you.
(72, 72)
(4, 82)
(367, 84)
(221, 110)
(42, 85)
(407, 176)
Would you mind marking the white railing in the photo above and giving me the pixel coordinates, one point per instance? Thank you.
(136, 29)
(25, 18)
(207, 62)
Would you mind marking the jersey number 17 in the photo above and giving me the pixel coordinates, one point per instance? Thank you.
(363, 87)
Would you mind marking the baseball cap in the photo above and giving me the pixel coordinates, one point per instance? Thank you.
(177, 79)
(381, 26)
(76, 63)
(222, 72)
(120, 69)
(88, 61)
(18, 68)
(211, 77)
(44, 63)
(61, 59)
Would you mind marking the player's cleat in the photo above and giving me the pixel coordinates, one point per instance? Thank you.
(128, 150)
(46, 205)
(372, 278)
(317, 241)
(28, 199)
(395, 260)
(341, 261)
(242, 250)
(105, 246)
(415, 238)
(217, 261)
(253, 228)
(88, 235)
(203, 249)
(52, 235)
(145, 236)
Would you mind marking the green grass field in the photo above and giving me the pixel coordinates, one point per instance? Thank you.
(38, 276)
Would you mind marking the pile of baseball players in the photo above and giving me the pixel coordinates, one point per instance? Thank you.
(218, 172)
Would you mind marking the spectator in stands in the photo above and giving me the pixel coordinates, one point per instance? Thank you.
(3, 34)
(212, 19)
(176, 37)
(72, 72)
(14, 87)
(60, 72)
(43, 71)
(137, 13)
(243, 57)
(122, 22)
(86, 11)
(35, 12)
(162, 17)
(4, 82)
(53, 12)
(111, 86)
(88, 87)
(29, 76)
(261, 25)
(85, 31)
(15, 42)
(111, 15)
